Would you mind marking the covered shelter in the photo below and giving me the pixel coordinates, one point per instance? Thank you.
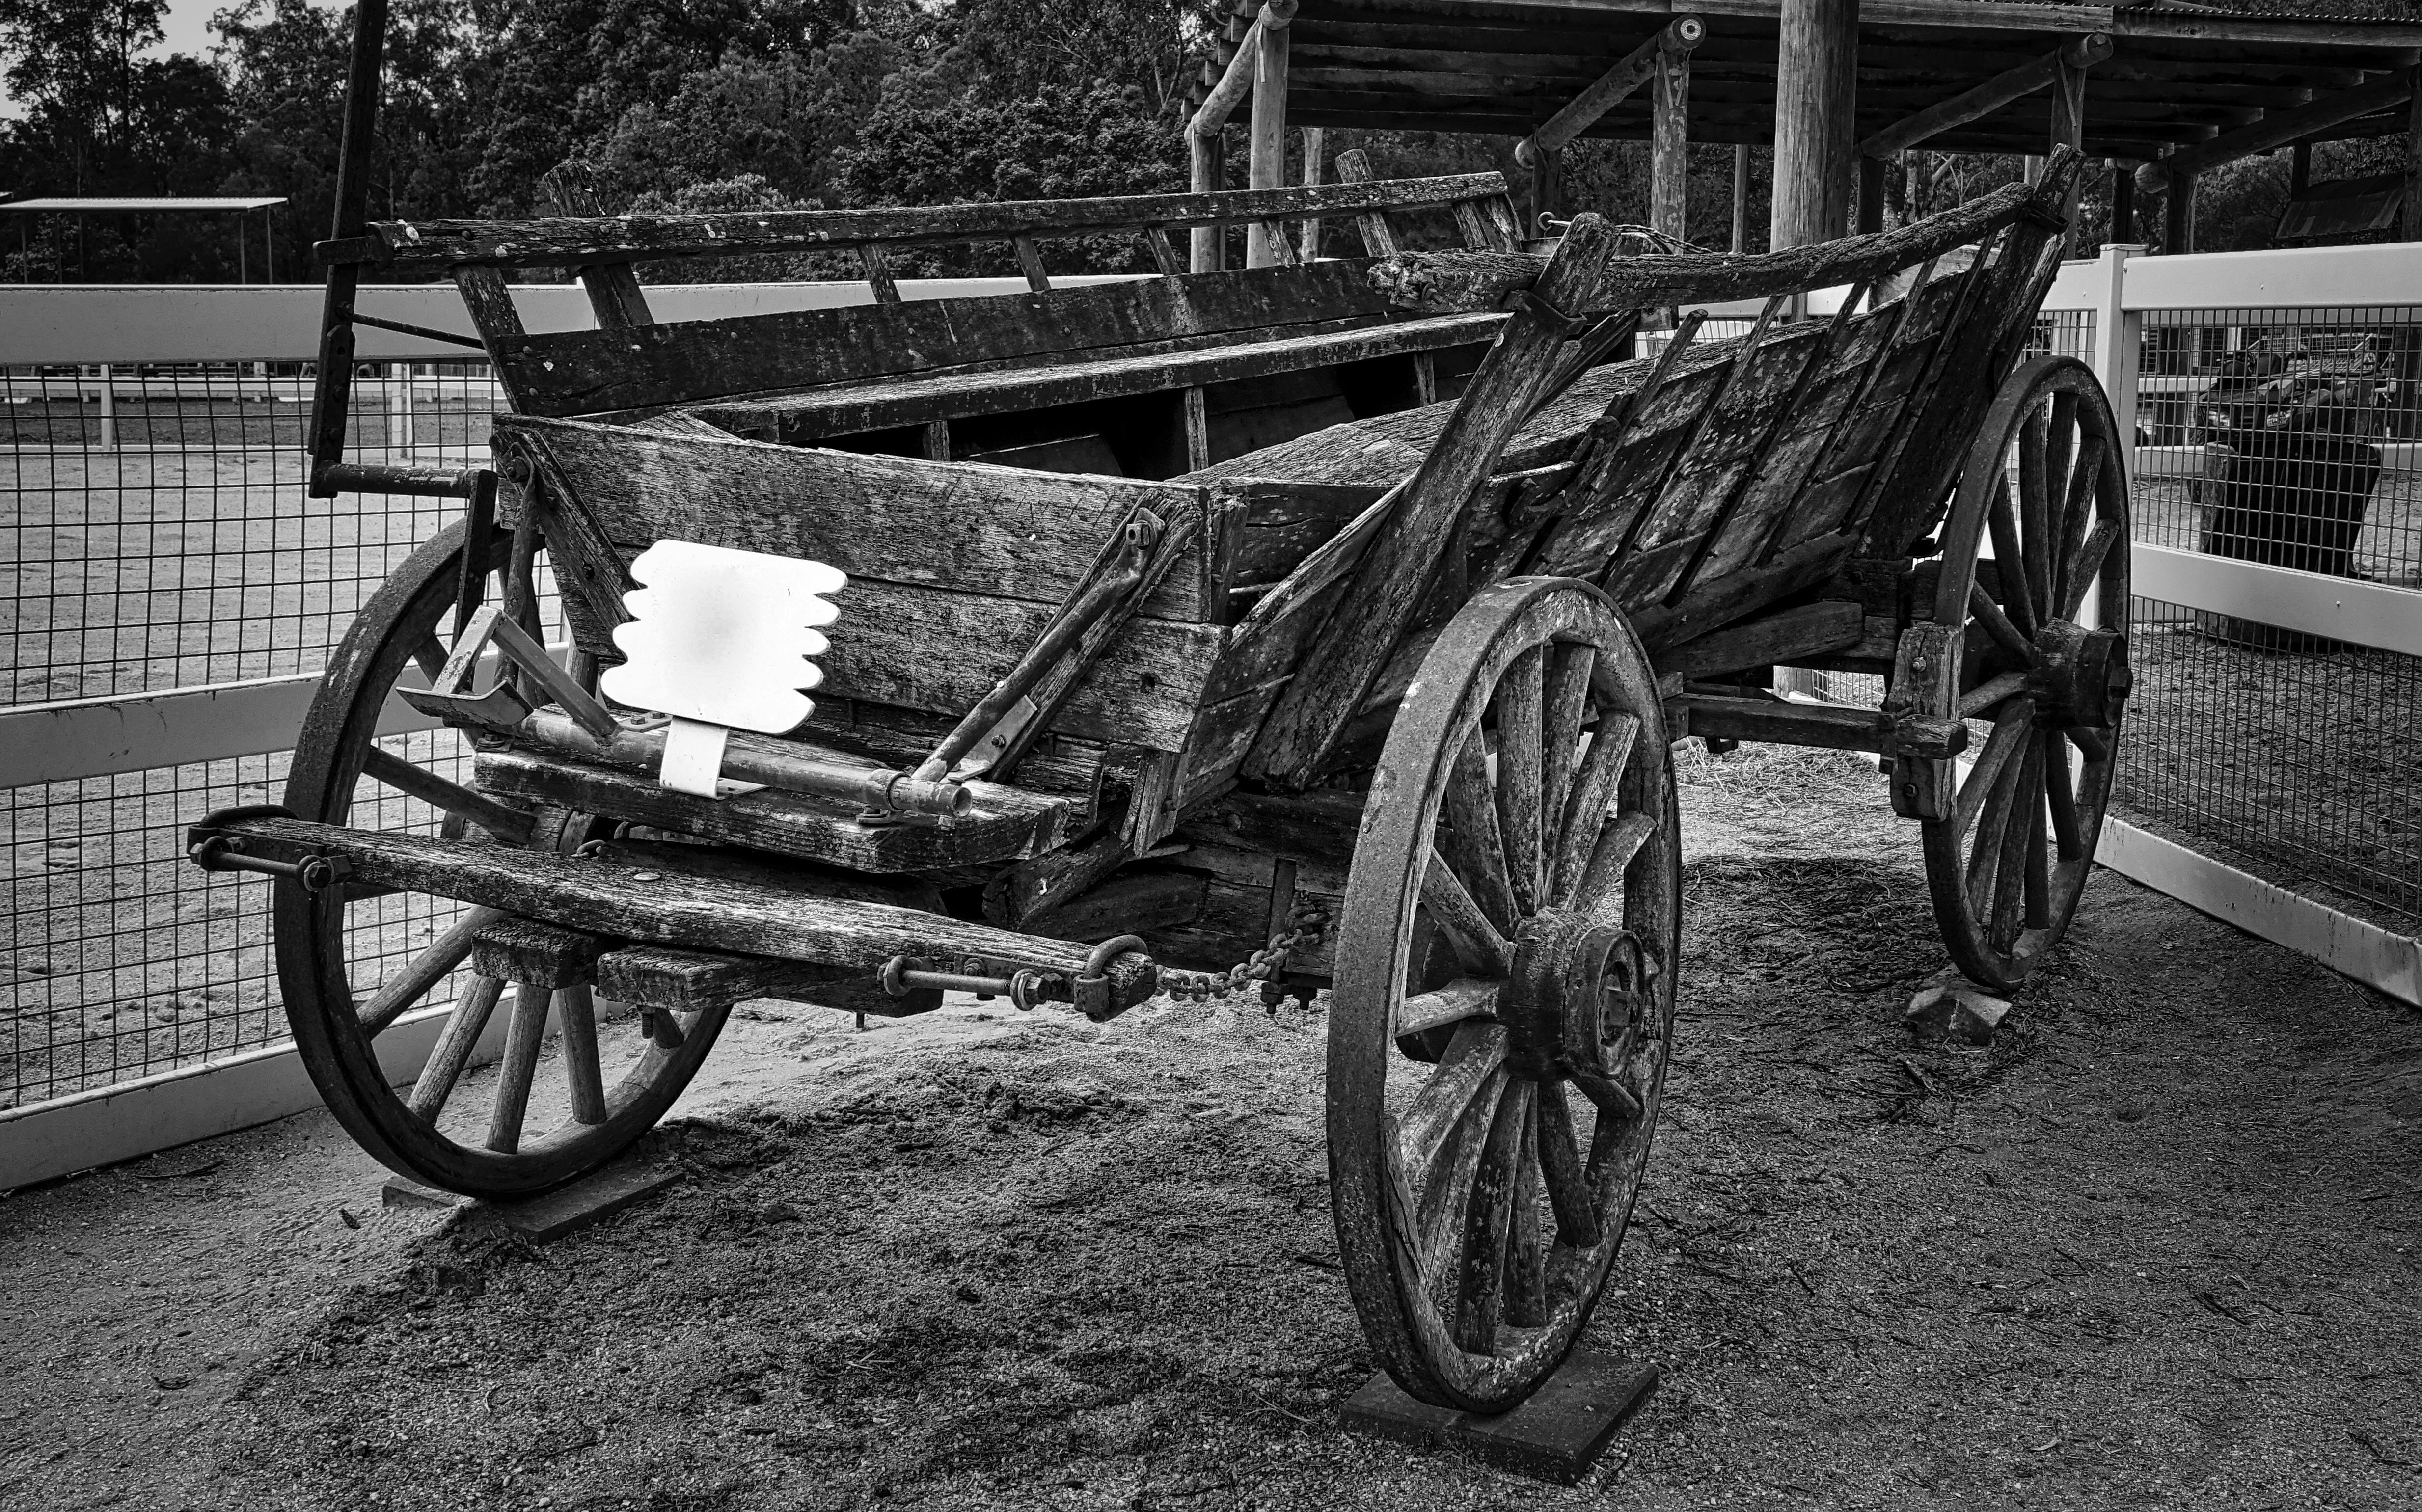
(1836, 87)
(242, 207)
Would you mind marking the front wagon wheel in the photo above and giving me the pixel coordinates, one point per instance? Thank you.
(1523, 811)
(352, 964)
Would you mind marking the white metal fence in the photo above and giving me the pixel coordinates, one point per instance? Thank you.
(171, 594)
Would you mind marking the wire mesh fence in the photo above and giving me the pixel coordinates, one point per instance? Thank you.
(158, 536)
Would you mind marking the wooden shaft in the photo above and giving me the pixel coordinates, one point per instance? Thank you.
(2279, 128)
(1669, 155)
(2412, 229)
(1613, 87)
(1815, 93)
(2179, 225)
(1266, 166)
(1741, 197)
(2077, 54)
(748, 758)
(1871, 196)
(2300, 169)
(2123, 203)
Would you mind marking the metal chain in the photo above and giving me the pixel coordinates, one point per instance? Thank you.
(1306, 923)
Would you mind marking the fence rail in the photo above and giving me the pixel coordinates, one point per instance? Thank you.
(172, 594)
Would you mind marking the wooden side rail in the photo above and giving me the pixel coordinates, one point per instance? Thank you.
(1446, 282)
(591, 241)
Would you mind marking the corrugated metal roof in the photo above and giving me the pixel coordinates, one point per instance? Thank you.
(98, 203)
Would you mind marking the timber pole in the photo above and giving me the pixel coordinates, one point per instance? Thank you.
(1815, 93)
(1669, 156)
(2069, 130)
(1610, 89)
(1206, 151)
(1741, 197)
(2179, 215)
(2123, 203)
(1266, 165)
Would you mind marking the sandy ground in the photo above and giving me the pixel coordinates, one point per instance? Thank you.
(2157, 1246)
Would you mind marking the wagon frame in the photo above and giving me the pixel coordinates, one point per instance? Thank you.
(1386, 706)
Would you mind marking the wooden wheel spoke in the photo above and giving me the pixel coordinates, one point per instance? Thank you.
(1998, 625)
(1464, 997)
(1568, 690)
(2009, 731)
(1991, 692)
(519, 1069)
(1487, 1222)
(1521, 781)
(1993, 832)
(2012, 828)
(1618, 845)
(1475, 940)
(1559, 1163)
(1525, 1269)
(1469, 840)
(577, 1008)
(2076, 509)
(1581, 828)
(2091, 742)
(509, 825)
(2010, 562)
(2038, 878)
(2060, 794)
(1462, 1076)
(434, 964)
(1446, 1188)
(455, 1042)
(2035, 511)
(2077, 574)
(1612, 1098)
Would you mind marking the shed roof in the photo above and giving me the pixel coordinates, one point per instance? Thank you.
(64, 204)
(2178, 73)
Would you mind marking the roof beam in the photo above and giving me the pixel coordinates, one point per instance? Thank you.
(1638, 66)
(2277, 129)
(1986, 98)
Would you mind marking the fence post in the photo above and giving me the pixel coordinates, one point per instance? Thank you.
(108, 411)
(2118, 340)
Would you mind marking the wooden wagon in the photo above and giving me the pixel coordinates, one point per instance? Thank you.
(1386, 707)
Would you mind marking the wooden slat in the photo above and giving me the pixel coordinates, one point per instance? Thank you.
(582, 242)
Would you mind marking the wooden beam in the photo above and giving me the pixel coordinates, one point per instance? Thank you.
(2279, 128)
(2123, 203)
(1669, 153)
(2068, 125)
(1991, 96)
(1871, 196)
(1637, 67)
(1741, 197)
(1816, 89)
(2412, 229)
(2177, 228)
(1266, 165)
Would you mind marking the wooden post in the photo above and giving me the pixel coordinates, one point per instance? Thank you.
(1668, 154)
(1815, 93)
(1315, 139)
(1204, 252)
(2069, 130)
(2123, 202)
(2300, 167)
(2178, 227)
(2412, 229)
(1266, 166)
(1741, 197)
(1547, 190)
(1636, 68)
(1871, 194)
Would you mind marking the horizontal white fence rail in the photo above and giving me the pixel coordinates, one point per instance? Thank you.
(87, 325)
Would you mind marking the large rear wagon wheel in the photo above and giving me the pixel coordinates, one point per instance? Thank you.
(1524, 810)
(352, 965)
(2008, 849)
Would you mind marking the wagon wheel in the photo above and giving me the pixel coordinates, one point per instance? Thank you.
(2007, 852)
(1523, 808)
(350, 963)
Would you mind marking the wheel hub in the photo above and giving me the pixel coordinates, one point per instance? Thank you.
(1578, 996)
(2084, 676)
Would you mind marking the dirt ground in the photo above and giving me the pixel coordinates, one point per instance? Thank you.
(2157, 1246)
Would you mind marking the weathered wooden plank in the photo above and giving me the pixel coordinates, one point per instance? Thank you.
(1131, 903)
(1232, 924)
(658, 976)
(787, 824)
(1393, 579)
(1317, 827)
(1783, 637)
(673, 909)
(434, 244)
(1001, 530)
(997, 390)
(544, 955)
